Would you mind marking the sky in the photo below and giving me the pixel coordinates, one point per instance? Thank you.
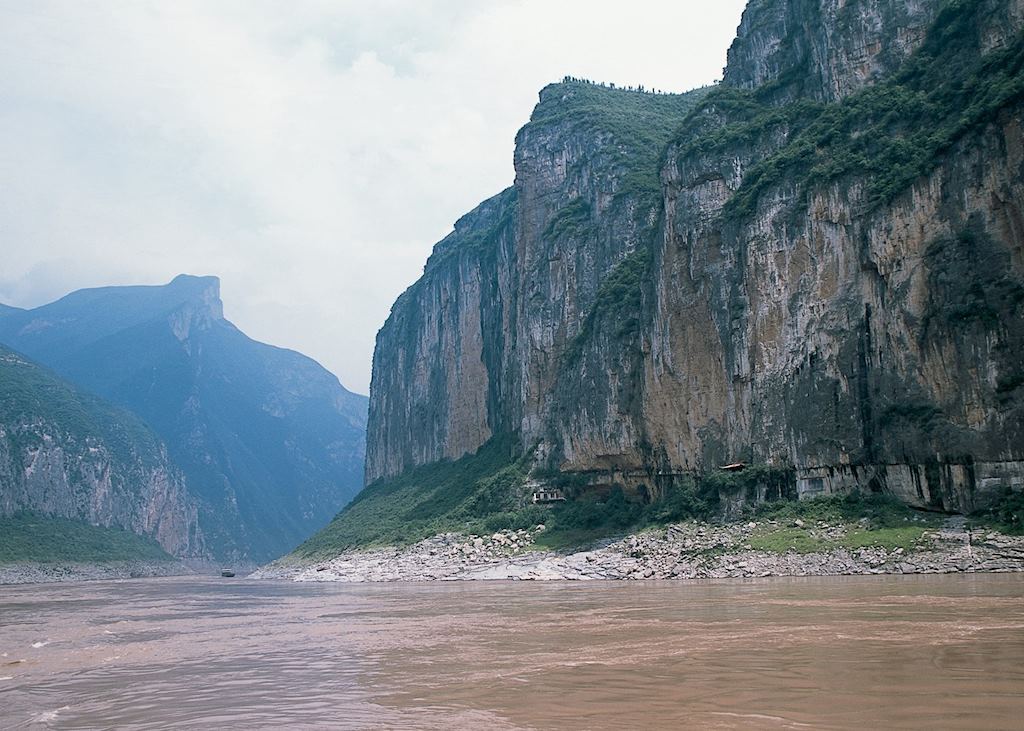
(310, 153)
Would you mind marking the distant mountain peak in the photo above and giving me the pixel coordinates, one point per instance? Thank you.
(202, 306)
(271, 445)
(196, 282)
(189, 303)
(204, 290)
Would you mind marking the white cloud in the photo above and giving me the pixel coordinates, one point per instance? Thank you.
(309, 153)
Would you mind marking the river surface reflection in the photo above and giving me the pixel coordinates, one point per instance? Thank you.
(866, 652)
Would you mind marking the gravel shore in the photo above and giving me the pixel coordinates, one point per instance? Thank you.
(43, 573)
(683, 551)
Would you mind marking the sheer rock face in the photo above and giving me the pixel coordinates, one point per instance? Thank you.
(85, 482)
(578, 221)
(825, 49)
(61, 461)
(477, 346)
(443, 343)
(816, 336)
(860, 344)
(829, 333)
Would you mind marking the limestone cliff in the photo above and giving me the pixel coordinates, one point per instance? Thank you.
(817, 265)
(68, 454)
(445, 336)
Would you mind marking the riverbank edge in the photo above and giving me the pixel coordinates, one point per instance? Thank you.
(30, 572)
(682, 551)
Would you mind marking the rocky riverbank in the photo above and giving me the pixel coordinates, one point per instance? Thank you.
(44, 573)
(683, 551)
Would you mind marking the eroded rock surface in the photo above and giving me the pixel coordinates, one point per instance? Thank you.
(644, 316)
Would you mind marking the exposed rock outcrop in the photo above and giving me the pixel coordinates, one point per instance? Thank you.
(825, 49)
(446, 333)
(872, 342)
(65, 453)
(818, 265)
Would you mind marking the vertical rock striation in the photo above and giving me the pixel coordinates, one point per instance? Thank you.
(68, 454)
(817, 265)
(446, 334)
(480, 344)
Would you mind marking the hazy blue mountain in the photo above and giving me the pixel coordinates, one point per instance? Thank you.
(269, 440)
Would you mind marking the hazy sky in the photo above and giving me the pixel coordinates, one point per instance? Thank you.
(308, 152)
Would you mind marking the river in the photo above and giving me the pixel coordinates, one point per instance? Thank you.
(865, 652)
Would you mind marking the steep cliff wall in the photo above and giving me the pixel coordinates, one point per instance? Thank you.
(825, 49)
(444, 348)
(478, 346)
(855, 281)
(65, 453)
(590, 201)
(816, 266)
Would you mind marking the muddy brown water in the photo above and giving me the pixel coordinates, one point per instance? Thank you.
(867, 652)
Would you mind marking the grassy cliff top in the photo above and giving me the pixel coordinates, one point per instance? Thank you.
(636, 117)
(641, 124)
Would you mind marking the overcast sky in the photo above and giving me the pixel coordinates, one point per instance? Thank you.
(308, 152)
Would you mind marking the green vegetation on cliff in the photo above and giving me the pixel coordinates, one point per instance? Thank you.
(573, 219)
(27, 537)
(872, 521)
(477, 232)
(32, 395)
(1005, 514)
(65, 452)
(435, 498)
(578, 523)
(618, 301)
(889, 134)
(486, 492)
(879, 511)
(640, 125)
